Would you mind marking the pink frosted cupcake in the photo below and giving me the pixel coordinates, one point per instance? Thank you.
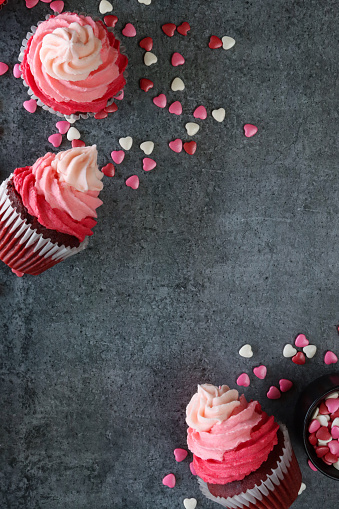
(73, 65)
(243, 458)
(48, 210)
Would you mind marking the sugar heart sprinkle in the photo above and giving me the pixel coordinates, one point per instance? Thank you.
(148, 164)
(180, 454)
(146, 43)
(310, 351)
(55, 139)
(289, 351)
(108, 170)
(110, 20)
(243, 380)
(129, 30)
(30, 105)
(133, 182)
(63, 126)
(215, 42)
(330, 358)
(169, 481)
(175, 108)
(184, 28)
(250, 130)
(260, 372)
(177, 85)
(169, 29)
(147, 147)
(146, 84)
(301, 341)
(176, 145)
(160, 101)
(285, 385)
(78, 143)
(200, 112)
(190, 147)
(57, 6)
(150, 58)
(118, 156)
(126, 143)
(299, 358)
(105, 6)
(246, 351)
(177, 59)
(273, 393)
(17, 71)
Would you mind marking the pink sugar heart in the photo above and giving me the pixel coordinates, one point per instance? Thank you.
(335, 432)
(314, 426)
(260, 372)
(55, 139)
(243, 380)
(148, 164)
(301, 341)
(285, 385)
(334, 447)
(30, 106)
(169, 480)
(330, 358)
(160, 101)
(250, 130)
(57, 6)
(176, 145)
(192, 469)
(129, 30)
(312, 467)
(273, 393)
(31, 3)
(17, 71)
(180, 454)
(332, 404)
(177, 59)
(133, 182)
(63, 126)
(200, 112)
(175, 108)
(118, 156)
(120, 96)
(3, 68)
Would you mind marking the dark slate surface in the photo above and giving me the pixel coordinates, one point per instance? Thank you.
(100, 355)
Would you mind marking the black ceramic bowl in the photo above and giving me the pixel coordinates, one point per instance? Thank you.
(309, 399)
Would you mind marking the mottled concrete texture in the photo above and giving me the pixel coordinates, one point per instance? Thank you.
(100, 355)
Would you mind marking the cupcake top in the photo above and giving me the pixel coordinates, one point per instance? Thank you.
(73, 64)
(229, 437)
(61, 190)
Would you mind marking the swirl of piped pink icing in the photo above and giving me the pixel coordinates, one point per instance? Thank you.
(71, 53)
(51, 190)
(95, 84)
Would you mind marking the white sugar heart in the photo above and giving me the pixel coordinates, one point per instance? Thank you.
(150, 58)
(126, 143)
(105, 6)
(192, 128)
(73, 134)
(333, 395)
(190, 503)
(310, 351)
(227, 42)
(302, 488)
(246, 351)
(177, 84)
(289, 351)
(146, 2)
(323, 419)
(147, 147)
(315, 413)
(219, 115)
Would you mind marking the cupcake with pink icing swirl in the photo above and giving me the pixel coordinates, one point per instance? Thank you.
(48, 210)
(242, 457)
(73, 65)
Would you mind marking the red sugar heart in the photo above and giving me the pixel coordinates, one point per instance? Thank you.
(78, 143)
(190, 147)
(321, 451)
(285, 385)
(183, 28)
(243, 380)
(301, 341)
(177, 59)
(335, 432)
(312, 439)
(112, 108)
(250, 130)
(146, 84)
(55, 139)
(330, 358)
(31, 3)
(323, 410)
(169, 480)
(160, 101)
(180, 455)
(101, 114)
(63, 126)
(175, 108)
(169, 29)
(332, 405)
(192, 469)
(129, 30)
(299, 358)
(3, 68)
(146, 43)
(273, 393)
(215, 42)
(57, 6)
(148, 164)
(314, 426)
(17, 71)
(200, 112)
(133, 182)
(110, 20)
(335, 414)
(118, 156)
(323, 433)
(30, 106)
(330, 458)
(260, 372)
(108, 170)
(176, 145)
(312, 467)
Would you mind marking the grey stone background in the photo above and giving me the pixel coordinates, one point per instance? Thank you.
(237, 244)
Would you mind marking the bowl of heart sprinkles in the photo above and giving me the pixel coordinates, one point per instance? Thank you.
(317, 416)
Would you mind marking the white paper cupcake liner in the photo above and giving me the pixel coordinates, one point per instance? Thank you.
(257, 493)
(27, 237)
(74, 116)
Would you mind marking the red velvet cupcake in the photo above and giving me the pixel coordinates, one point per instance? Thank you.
(242, 457)
(48, 210)
(73, 65)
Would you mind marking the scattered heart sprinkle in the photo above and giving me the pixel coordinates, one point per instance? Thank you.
(126, 143)
(169, 29)
(184, 28)
(302, 488)
(169, 480)
(105, 6)
(16, 71)
(227, 42)
(110, 20)
(246, 351)
(78, 143)
(129, 30)
(101, 114)
(180, 454)
(175, 108)
(243, 380)
(73, 134)
(150, 58)
(285, 385)
(146, 84)
(312, 467)
(215, 42)
(273, 393)
(299, 358)
(219, 115)
(147, 147)
(190, 147)
(133, 182)
(330, 358)
(192, 128)
(148, 164)
(145, 2)
(160, 101)
(190, 503)
(108, 170)
(112, 108)
(301, 340)
(177, 85)
(200, 112)
(63, 126)
(260, 372)
(55, 139)
(192, 469)
(118, 156)
(30, 106)
(146, 43)
(57, 6)
(250, 130)
(289, 351)
(177, 59)
(176, 145)
(310, 351)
